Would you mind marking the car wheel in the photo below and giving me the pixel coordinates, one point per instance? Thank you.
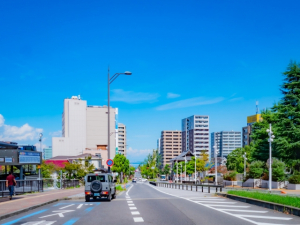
(109, 197)
(87, 198)
(94, 198)
(114, 195)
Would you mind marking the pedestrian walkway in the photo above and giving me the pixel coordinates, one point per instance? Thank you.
(21, 202)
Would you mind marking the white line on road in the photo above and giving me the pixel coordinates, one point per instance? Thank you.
(78, 207)
(241, 210)
(66, 206)
(215, 202)
(138, 219)
(130, 204)
(238, 206)
(129, 190)
(135, 213)
(266, 217)
(129, 201)
(132, 208)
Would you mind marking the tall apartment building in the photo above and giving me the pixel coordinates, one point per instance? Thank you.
(47, 153)
(122, 139)
(170, 145)
(84, 130)
(195, 134)
(226, 142)
(248, 129)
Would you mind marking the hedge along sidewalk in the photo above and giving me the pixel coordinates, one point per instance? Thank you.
(286, 204)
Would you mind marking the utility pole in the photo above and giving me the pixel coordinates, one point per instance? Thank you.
(270, 140)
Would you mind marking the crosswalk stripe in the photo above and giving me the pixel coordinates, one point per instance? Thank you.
(216, 202)
(237, 206)
(240, 210)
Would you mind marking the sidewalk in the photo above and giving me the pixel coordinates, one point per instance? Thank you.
(29, 201)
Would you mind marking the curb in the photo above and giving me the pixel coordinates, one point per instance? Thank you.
(269, 205)
(27, 209)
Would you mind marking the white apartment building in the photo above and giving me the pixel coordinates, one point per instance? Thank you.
(84, 130)
(195, 134)
(122, 139)
(226, 142)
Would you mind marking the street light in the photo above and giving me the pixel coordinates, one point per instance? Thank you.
(270, 140)
(195, 167)
(41, 148)
(109, 81)
(216, 163)
(244, 164)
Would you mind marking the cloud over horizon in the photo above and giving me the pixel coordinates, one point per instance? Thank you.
(131, 97)
(172, 95)
(189, 103)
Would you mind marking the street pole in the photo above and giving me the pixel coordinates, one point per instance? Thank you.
(244, 164)
(185, 167)
(181, 173)
(177, 171)
(270, 140)
(109, 81)
(195, 167)
(108, 117)
(216, 163)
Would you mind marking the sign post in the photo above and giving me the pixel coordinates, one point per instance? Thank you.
(109, 162)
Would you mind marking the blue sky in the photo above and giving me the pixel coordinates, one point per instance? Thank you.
(187, 57)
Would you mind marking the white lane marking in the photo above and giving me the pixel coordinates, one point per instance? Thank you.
(132, 208)
(129, 201)
(138, 219)
(43, 222)
(135, 213)
(266, 217)
(238, 206)
(60, 213)
(129, 190)
(78, 207)
(241, 210)
(130, 204)
(66, 206)
(216, 202)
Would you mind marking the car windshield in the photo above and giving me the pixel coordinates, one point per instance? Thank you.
(92, 178)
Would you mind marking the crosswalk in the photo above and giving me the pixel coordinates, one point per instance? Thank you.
(253, 214)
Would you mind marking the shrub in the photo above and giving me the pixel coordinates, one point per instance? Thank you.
(278, 170)
(230, 176)
(256, 169)
(295, 179)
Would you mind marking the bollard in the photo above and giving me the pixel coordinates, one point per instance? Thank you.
(220, 189)
(216, 189)
(202, 188)
(196, 188)
(191, 187)
(208, 189)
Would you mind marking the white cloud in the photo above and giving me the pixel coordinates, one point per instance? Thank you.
(119, 95)
(14, 133)
(138, 153)
(236, 99)
(172, 95)
(190, 102)
(56, 133)
(1, 120)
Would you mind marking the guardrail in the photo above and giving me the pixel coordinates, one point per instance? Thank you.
(187, 186)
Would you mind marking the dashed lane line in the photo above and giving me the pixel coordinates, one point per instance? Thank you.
(138, 219)
(132, 208)
(135, 213)
(78, 207)
(66, 206)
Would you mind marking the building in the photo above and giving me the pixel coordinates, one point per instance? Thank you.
(226, 142)
(84, 130)
(195, 134)
(170, 145)
(47, 153)
(158, 145)
(248, 129)
(122, 139)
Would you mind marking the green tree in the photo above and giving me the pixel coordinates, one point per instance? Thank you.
(235, 160)
(48, 169)
(166, 170)
(278, 170)
(256, 169)
(121, 164)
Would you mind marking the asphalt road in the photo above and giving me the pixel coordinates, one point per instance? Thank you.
(146, 204)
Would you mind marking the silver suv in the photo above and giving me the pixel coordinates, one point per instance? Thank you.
(99, 185)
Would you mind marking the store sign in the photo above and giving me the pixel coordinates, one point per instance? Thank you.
(29, 157)
(2, 160)
(8, 160)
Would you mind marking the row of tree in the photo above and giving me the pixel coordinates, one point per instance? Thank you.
(285, 119)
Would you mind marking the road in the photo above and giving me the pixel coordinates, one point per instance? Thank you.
(147, 204)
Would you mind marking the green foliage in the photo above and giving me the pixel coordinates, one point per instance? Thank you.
(121, 164)
(294, 179)
(48, 169)
(256, 169)
(235, 160)
(152, 160)
(278, 170)
(230, 176)
(284, 200)
(166, 169)
(78, 169)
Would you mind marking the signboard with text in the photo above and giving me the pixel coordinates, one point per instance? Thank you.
(29, 157)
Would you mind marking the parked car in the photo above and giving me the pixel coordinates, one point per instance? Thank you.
(99, 185)
(134, 180)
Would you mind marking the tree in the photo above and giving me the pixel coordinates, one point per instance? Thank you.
(121, 164)
(166, 169)
(48, 169)
(235, 160)
(256, 169)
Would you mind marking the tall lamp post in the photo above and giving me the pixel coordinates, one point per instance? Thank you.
(244, 156)
(195, 167)
(270, 140)
(216, 163)
(41, 147)
(109, 81)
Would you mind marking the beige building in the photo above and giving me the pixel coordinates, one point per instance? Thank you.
(170, 145)
(122, 139)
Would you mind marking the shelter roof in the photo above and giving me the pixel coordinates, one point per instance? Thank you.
(184, 155)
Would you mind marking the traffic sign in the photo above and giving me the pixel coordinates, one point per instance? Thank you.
(109, 162)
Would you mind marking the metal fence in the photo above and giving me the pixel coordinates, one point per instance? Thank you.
(58, 184)
(23, 186)
(185, 186)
